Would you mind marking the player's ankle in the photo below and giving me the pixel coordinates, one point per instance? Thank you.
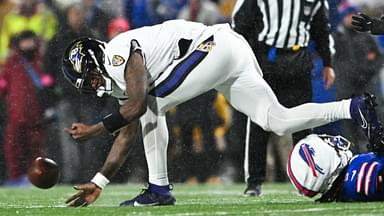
(159, 189)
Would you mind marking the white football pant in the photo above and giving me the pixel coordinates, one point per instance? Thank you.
(231, 68)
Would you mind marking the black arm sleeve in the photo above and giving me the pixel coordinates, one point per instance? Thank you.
(377, 27)
(320, 33)
(248, 20)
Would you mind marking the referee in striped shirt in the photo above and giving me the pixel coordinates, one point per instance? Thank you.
(279, 32)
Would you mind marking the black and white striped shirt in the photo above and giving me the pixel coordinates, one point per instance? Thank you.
(285, 23)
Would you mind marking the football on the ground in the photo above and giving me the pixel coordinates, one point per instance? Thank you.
(44, 173)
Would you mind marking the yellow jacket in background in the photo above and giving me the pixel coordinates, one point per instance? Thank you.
(43, 23)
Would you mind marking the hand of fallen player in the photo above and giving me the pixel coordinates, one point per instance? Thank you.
(86, 195)
(82, 132)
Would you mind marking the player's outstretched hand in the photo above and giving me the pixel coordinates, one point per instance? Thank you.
(361, 22)
(86, 195)
(364, 23)
(82, 132)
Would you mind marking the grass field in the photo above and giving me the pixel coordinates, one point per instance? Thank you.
(278, 199)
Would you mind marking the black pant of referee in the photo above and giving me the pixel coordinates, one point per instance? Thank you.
(288, 72)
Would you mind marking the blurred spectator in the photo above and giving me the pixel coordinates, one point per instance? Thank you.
(226, 7)
(141, 12)
(203, 11)
(70, 105)
(22, 80)
(333, 14)
(169, 9)
(117, 26)
(5, 7)
(95, 19)
(368, 3)
(28, 15)
(357, 62)
(113, 7)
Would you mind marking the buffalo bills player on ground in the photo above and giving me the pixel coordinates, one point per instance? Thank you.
(151, 69)
(323, 164)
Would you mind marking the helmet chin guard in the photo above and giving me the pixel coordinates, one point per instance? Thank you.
(107, 89)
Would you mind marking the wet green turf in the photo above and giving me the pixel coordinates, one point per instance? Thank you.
(278, 199)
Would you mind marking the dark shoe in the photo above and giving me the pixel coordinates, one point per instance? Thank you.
(364, 114)
(149, 198)
(253, 190)
(376, 142)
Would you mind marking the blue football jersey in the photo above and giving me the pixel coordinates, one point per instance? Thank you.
(362, 179)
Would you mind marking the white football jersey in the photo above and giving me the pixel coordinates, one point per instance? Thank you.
(159, 45)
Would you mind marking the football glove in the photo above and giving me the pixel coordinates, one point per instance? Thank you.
(364, 23)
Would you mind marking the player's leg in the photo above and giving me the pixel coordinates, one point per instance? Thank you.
(155, 138)
(233, 70)
(255, 158)
(249, 93)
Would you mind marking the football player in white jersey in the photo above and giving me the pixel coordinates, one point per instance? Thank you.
(152, 69)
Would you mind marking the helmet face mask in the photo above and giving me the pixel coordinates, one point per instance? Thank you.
(83, 67)
(338, 142)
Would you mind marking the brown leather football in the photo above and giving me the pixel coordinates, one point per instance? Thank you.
(44, 173)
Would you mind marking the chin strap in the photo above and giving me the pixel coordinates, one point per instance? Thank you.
(107, 89)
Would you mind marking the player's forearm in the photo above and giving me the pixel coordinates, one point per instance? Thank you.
(129, 112)
(114, 160)
(134, 109)
(98, 129)
(119, 150)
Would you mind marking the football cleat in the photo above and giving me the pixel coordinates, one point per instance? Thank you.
(376, 142)
(149, 198)
(253, 190)
(363, 112)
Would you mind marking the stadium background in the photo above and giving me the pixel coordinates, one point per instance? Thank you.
(202, 146)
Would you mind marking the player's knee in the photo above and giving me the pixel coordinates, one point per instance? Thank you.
(280, 131)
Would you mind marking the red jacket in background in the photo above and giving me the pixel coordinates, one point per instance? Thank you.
(22, 95)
